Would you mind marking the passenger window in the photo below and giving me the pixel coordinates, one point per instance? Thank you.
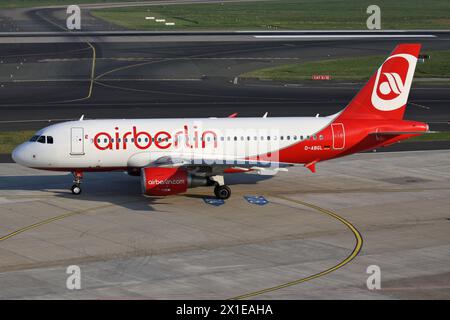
(49, 140)
(41, 139)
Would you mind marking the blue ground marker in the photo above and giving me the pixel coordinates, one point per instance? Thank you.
(259, 200)
(213, 201)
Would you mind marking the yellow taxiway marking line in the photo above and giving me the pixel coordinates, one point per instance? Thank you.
(94, 58)
(91, 80)
(52, 219)
(350, 257)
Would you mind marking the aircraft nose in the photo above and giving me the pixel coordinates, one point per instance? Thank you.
(18, 155)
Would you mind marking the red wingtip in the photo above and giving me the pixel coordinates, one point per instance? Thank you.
(234, 115)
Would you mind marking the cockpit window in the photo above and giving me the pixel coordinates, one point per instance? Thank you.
(49, 139)
(34, 138)
(41, 139)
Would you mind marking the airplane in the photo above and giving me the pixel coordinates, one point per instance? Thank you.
(172, 155)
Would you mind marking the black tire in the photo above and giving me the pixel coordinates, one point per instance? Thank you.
(222, 192)
(76, 189)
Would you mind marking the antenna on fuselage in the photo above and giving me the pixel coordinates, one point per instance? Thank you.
(82, 117)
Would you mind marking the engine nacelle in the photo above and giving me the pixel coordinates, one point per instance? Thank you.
(156, 181)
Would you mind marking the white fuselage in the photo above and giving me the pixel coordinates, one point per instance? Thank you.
(137, 142)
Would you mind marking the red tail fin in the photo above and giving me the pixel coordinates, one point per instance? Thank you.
(386, 93)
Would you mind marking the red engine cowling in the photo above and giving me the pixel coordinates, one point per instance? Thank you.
(157, 181)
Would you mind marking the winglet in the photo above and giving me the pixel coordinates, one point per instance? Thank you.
(311, 166)
(265, 115)
(81, 118)
(234, 115)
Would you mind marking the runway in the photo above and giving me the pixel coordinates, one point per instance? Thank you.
(63, 81)
(128, 246)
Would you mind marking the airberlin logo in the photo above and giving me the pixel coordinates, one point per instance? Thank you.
(166, 182)
(393, 81)
(162, 139)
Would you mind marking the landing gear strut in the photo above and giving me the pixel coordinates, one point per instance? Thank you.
(221, 190)
(77, 176)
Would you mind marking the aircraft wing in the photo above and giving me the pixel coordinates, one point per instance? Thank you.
(220, 164)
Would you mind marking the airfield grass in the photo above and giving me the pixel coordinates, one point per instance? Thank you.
(11, 139)
(351, 69)
(284, 15)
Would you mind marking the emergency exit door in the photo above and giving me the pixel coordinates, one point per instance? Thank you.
(77, 141)
(338, 136)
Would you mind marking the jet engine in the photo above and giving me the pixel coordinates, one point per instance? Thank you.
(157, 181)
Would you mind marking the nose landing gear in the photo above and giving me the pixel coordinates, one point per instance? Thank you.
(77, 176)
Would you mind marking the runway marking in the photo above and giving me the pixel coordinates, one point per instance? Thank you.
(189, 57)
(37, 120)
(168, 59)
(94, 57)
(56, 218)
(117, 80)
(350, 257)
(350, 36)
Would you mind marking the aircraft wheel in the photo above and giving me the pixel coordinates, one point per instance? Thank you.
(222, 192)
(76, 189)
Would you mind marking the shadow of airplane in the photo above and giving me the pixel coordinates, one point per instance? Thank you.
(115, 187)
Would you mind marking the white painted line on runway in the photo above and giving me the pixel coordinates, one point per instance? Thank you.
(356, 36)
(103, 79)
(39, 120)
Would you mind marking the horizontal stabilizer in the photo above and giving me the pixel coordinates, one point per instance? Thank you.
(396, 133)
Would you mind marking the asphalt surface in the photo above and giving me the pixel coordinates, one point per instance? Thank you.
(314, 237)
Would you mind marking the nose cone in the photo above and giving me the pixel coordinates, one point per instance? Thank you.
(18, 155)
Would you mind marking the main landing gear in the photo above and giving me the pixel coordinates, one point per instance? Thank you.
(77, 176)
(221, 190)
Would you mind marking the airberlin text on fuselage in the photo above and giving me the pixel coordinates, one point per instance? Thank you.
(143, 140)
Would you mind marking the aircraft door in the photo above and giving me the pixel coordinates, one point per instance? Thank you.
(338, 136)
(77, 141)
